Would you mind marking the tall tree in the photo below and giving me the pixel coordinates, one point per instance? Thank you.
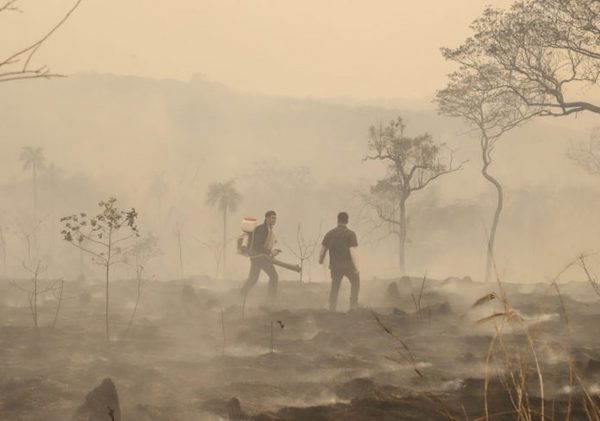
(413, 163)
(491, 112)
(538, 58)
(545, 53)
(226, 199)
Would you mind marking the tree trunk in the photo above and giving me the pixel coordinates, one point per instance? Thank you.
(35, 210)
(107, 282)
(403, 227)
(223, 332)
(62, 285)
(138, 273)
(496, 220)
(178, 232)
(35, 307)
(106, 306)
(81, 264)
(272, 338)
(224, 242)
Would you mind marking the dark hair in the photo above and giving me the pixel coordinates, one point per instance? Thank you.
(342, 218)
(270, 213)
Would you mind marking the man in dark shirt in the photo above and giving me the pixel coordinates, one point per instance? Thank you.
(261, 252)
(342, 245)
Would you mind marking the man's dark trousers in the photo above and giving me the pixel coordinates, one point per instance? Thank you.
(336, 279)
(265, 264)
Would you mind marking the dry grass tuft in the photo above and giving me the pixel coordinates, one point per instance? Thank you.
(484, 300)
(511, 315)
(407, 355)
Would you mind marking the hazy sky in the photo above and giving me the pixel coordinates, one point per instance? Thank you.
(332, 49)
(325, 49)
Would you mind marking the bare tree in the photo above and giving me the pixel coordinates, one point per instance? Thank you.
(491, 112)
(304, 249)
(104, 237)
(538, 58)
(28, 235)
(413, 163)
(17, 65)
(35, 289)
(142, 251)
(545, 53)
(58, 294)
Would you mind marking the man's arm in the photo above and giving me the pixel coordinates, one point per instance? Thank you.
(353, 246)
(324, 248)
(354, 257)
(322, 254)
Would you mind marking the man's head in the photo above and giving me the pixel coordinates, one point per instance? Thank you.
(342, 218)
(270, 218)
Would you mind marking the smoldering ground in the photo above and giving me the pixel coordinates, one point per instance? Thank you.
(417, 349)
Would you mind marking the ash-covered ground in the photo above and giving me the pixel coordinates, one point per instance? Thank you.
(413, 351)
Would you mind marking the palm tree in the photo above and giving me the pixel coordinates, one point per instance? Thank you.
(33, 158)
(226, 198)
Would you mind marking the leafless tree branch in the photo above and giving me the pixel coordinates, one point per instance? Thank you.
(26, 54)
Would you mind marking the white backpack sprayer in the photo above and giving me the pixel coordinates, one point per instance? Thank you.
(243, 241)
(244, 246)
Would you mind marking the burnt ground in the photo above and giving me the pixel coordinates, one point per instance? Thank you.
(193, 352)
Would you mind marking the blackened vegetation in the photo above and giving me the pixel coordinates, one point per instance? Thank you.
(100, 403)
(384, 363)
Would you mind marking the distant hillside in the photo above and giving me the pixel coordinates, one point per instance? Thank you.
(160, 124)
(121, 135)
